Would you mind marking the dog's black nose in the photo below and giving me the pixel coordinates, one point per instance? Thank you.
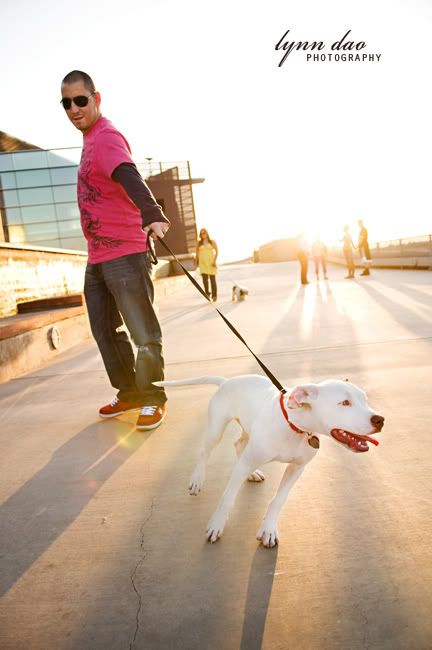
(377, 421)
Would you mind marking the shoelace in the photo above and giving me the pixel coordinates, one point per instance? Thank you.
(114, 401)
(148, 410)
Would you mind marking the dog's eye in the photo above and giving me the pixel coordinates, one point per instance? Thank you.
(346, 402)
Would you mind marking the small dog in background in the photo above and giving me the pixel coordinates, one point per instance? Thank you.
(239, 293)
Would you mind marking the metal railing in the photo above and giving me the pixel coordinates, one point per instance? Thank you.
(37, 159)
(406, 252)
(417, 246)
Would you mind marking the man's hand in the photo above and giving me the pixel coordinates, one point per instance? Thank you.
(158, 229)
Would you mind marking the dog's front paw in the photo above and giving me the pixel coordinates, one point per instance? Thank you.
(196, 482)
(215, 528)
(268, 536)
(256, 477)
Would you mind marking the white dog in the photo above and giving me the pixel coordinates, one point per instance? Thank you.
(239, 293)
(276, 426)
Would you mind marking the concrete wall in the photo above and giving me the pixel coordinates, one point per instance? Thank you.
(32, 348)
(28, 273)
(25, 342)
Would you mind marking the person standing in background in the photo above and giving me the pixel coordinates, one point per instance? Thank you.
(303, 257)
(206, 256)
(363, 246)
(348, 246)
(319, 252)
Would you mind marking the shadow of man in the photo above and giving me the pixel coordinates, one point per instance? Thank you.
(258, 597)
(37, 514)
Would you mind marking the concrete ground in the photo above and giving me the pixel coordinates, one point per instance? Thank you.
(102, 547)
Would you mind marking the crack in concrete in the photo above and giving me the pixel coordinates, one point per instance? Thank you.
(366, 641)
(133, 576)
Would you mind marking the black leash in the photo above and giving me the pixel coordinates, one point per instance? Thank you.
(268, 372)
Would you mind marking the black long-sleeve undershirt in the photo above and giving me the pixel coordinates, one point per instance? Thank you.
(138, 191)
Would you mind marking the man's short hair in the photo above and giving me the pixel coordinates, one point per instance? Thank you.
(79, 75)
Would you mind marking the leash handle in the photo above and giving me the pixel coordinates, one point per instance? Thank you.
(151, 248)
(268, 372)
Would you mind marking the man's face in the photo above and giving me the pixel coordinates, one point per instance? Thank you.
(83, 117)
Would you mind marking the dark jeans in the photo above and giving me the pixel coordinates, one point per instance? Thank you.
(304, 263)
(364, 250)
(121, 291)
(205, 278)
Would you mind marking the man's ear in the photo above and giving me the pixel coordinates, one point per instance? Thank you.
(302, 395)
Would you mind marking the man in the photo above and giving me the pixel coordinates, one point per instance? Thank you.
(348, 246)
(115, 205)
(303, 257)
(363, 246)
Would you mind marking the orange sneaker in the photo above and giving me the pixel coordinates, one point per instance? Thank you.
(116, 407)
(151, 417)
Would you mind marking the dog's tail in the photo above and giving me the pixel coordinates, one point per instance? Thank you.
(205, 379)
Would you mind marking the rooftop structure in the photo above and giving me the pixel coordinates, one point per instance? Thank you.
(38, 203)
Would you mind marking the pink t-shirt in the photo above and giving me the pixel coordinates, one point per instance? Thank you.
(111, 222)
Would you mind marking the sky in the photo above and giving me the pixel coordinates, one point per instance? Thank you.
(307, 146)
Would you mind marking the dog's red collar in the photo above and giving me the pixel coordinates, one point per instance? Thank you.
(285, 414)
(312, 439)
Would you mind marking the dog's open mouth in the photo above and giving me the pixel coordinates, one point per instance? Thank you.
(354, 441)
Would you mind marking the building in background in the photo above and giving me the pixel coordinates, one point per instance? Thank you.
(278, 250)
(38, 203)
(171, 184)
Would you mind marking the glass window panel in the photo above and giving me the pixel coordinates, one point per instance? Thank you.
(7, 180)
(67, 210)
(37, 213)
(64, 157)
(35, 196)
(74, 243)
(63, 175)
(17, 234)
(6, 163)
(33, 178)
(65, 193)
(10, 198)
(49, 243)
(13, 215)
(43, 243)
(41, 231)
(69, 228)
(30, 159)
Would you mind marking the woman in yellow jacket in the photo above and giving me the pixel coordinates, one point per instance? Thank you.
(206, 256)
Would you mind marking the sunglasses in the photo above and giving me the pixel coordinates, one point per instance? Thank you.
(80, 101)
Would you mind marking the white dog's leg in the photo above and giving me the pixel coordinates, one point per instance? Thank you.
(257, 475)
(245, 466)
(215, 428)
(268, 533)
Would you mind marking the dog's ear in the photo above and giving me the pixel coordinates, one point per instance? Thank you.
(302, 395)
